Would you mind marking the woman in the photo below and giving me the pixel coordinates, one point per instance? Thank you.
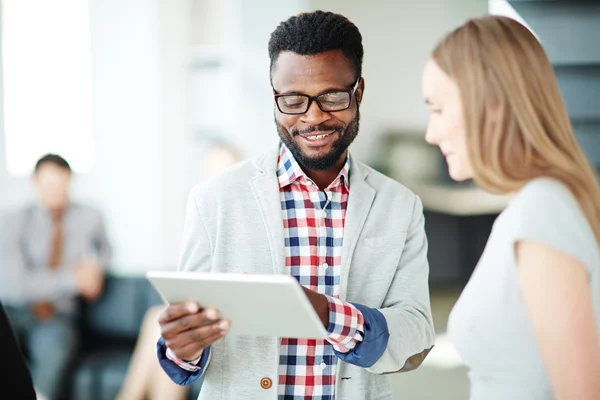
(526, 324)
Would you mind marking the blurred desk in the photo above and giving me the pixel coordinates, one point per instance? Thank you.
(457, 199)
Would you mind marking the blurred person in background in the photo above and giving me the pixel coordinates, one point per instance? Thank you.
(526, 323)
(53, 252)
(145, 378)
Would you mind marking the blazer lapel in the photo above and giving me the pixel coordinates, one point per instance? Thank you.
(266, 191)
(360, 199)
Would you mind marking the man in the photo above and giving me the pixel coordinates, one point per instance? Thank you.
(53, 252)
(353, 238)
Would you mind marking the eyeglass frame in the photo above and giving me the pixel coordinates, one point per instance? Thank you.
(315, 98)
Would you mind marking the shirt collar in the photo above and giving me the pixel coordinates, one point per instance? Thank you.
(289, 171)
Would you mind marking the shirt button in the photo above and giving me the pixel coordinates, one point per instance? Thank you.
(266, 383)
(325, 266)
(322, 366)
(323, 214)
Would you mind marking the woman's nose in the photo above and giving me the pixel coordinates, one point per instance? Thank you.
(431, 137)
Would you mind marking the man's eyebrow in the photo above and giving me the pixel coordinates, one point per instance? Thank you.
(330, 89)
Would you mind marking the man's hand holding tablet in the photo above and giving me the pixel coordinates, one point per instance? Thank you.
(188, 329)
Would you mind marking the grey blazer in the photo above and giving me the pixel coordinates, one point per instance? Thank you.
(234, 224)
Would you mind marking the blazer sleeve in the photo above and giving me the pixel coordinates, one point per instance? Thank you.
(407, 308)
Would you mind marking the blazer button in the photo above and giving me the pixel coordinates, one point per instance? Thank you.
(266, 383)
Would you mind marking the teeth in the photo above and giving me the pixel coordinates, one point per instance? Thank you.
(318, 137)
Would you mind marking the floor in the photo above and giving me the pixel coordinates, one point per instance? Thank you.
(442, 375)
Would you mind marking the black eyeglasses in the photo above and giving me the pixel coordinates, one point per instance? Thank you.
(329, 101)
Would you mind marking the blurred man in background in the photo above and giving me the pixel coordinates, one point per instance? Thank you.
(53, 252)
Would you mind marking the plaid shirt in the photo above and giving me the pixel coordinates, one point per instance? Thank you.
(313, 223)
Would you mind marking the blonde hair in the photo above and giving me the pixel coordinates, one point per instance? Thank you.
(516, 123)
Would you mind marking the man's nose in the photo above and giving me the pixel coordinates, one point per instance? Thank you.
(314, 115)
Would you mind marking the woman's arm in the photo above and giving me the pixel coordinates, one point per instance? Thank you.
(557, 294)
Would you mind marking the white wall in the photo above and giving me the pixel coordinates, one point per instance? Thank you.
(141, 56)
(174, 115)
(13, 190)
(259, 18)
(126, 179)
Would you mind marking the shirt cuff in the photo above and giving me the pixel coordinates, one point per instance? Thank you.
(376, 336)
(177, 374)
(191, 366)
(345, 325)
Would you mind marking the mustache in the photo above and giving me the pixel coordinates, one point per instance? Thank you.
(318, 128)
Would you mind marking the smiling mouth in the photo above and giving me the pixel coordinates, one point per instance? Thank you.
(318, 137)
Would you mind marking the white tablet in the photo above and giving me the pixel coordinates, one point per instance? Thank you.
(256, 305)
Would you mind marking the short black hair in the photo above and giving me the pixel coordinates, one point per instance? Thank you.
(54, 159)
(316, 32)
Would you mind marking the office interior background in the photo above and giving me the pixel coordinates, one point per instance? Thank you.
(132, 93)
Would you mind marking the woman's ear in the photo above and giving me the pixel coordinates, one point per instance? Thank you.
(494, 109)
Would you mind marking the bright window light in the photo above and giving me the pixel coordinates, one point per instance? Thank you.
(47, 99)
(503, 7)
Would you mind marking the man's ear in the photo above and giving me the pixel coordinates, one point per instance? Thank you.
(360, 90)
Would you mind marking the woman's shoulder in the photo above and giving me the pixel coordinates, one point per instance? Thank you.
(545, 197)
(544, 190)
(546, 211)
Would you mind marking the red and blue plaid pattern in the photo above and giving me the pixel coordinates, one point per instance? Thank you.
(313, 223)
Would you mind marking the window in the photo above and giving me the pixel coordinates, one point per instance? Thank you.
(503, 7)
(46, 68)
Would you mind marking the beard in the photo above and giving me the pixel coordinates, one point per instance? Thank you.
(346, 137)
